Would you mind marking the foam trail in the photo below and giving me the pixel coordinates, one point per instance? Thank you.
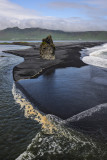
(29, 110)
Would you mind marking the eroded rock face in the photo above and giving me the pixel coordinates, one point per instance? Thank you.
(47, 48)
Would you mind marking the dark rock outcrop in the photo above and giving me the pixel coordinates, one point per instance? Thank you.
(47, 48)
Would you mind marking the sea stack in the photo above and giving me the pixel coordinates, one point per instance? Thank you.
(47, 48)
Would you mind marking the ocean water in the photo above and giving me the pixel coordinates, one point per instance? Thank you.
(29, 133)
(16, 131)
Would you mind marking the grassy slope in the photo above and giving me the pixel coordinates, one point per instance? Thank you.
(38, 34)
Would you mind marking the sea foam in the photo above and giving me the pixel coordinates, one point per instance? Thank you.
(96, 56)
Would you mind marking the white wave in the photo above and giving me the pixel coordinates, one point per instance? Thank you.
(96, 56)
(87, 113)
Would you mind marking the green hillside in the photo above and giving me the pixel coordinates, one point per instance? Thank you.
(31, 34)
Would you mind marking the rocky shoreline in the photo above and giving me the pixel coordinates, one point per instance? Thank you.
(67, 54)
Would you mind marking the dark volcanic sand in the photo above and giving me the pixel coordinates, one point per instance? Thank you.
(66, 55)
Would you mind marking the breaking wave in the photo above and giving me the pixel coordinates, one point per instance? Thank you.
(96, 56)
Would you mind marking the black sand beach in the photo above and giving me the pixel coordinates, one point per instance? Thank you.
(67, 54)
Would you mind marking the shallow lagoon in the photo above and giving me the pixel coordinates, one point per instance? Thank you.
(68, 91)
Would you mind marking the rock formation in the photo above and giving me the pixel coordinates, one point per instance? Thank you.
(47, 48)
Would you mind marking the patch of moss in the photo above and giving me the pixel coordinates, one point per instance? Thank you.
(47, 42)
(44, 43)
